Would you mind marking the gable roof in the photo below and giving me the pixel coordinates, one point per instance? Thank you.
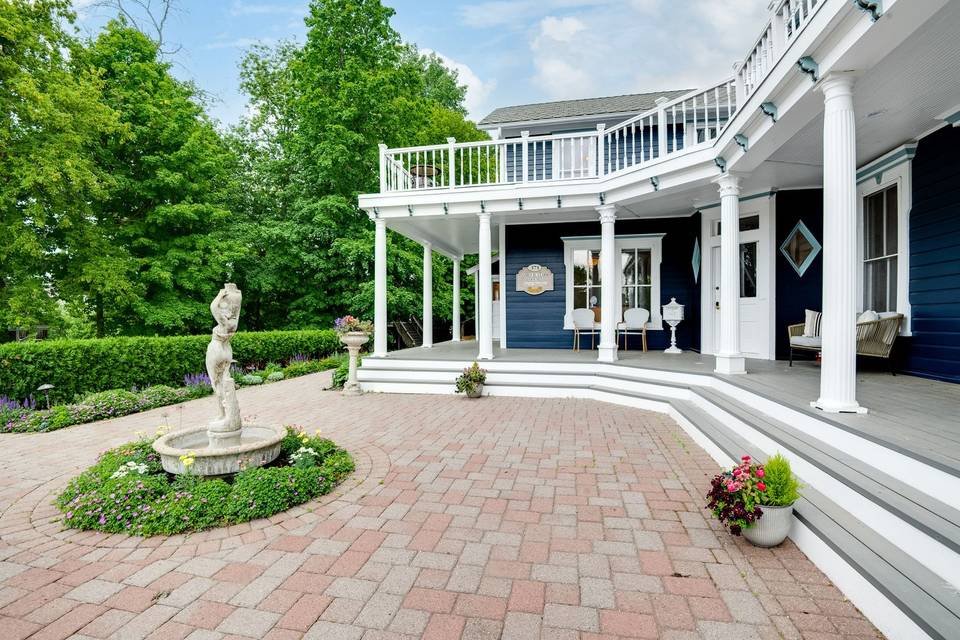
(630, 103)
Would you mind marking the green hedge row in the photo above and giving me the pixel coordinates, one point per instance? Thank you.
(83, 366)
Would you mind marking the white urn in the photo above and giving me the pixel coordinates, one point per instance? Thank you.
(353, 340)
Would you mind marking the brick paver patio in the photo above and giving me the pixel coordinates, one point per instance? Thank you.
(496, 518)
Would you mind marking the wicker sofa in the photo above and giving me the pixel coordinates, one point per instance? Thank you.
(874, 338)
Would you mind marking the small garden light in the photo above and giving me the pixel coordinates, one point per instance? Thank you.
(46, 392)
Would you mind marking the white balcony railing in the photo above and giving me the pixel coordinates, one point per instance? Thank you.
(672, 127)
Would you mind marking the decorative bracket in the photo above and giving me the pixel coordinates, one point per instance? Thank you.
(520, 203)
(603, 197)
(870, 6)
(483, 207)
(741, 141)
(376, 212)
(410, 210)
(655, 181)
(445, 209)
(809, 65)
(769, 109)
(721, 162)
(559, 203)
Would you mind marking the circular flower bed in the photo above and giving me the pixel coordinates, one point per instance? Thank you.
(127, 491)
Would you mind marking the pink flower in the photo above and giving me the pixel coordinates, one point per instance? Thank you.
(761, 486)
(745, 458)
(736, 471)
(760, 473)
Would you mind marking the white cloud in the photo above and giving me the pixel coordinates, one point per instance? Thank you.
(593, 48)
(239, 43)
(478, 91)
(516, 13)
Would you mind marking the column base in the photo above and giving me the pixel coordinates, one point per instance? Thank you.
(606, 354)
(427, 346)
(835, 406)
(730, 364)
(482, 356)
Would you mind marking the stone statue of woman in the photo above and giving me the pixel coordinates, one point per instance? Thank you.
(226, 311)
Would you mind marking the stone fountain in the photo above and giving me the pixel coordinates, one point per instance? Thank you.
(225, 445)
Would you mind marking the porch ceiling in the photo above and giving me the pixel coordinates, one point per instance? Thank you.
(897, 100)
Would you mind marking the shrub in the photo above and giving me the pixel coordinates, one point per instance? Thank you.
(109, 404)
(782, 487)
(275, 376)
(250, 379)
(145, 500)
(342, 373)
(78, 367)
(302, 368)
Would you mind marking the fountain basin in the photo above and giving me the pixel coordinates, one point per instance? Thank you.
(259, 445)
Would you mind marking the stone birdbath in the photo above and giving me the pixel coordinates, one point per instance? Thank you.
(353, 334)
(224, 446)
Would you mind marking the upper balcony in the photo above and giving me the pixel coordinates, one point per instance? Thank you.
(675, 127)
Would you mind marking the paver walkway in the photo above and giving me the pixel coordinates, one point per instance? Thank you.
(500, 517)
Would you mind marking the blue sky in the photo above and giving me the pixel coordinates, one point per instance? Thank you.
(507, 52)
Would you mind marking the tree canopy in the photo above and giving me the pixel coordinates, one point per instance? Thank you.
(123, 207)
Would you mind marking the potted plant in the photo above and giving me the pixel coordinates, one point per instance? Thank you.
(353, 334)
(471, 381)
(756, 500)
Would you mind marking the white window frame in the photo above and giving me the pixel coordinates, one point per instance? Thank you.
(901, 177)
(652, 242)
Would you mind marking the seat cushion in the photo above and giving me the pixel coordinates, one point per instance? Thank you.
(811, 327)
(806, 342)
(868, 316)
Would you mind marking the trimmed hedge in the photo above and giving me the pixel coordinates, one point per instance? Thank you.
(76, 367)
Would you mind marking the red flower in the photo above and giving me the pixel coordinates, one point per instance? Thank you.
(761, 486)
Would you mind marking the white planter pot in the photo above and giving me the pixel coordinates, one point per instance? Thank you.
(353, 341)
(772, 528)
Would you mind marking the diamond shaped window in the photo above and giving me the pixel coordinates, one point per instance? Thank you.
(695, 259)
(800, 248)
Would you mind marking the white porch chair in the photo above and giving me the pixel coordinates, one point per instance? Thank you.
(634, 322)
(583, 323)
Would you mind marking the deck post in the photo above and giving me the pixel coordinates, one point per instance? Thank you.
(729, 358)
(485, 300)
(838, 372)
(427, 295)
(380, 289)
(455, 329)
(608, 284)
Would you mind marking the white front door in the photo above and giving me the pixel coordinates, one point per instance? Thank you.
(756, 279)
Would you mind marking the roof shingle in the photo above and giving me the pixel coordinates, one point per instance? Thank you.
(630, 103)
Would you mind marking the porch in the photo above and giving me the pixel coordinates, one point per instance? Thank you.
(911, 415)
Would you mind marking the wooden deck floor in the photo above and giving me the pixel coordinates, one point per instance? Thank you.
(916, 416)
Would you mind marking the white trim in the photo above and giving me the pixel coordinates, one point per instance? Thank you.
(502, 279)
(650, 241)
(901, 176)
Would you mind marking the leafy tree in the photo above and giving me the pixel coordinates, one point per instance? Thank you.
(51, 121)
(320, 110)
(160, 255)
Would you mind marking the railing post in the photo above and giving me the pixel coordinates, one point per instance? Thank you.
(452, 162)
(600, 149)
(739, 88)
(524, 135)
(383, 167)
(661, 127)
(779, 36)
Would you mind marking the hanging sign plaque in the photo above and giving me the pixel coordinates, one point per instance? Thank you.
(534, 279)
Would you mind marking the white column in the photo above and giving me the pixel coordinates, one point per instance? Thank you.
(456, 301)
(485, 301)
(380, 290)
(427, 295)
(838, 330)
(608, 284)
(729, 358)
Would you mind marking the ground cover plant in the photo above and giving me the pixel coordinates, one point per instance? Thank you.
(29, 416)
(127, 491)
